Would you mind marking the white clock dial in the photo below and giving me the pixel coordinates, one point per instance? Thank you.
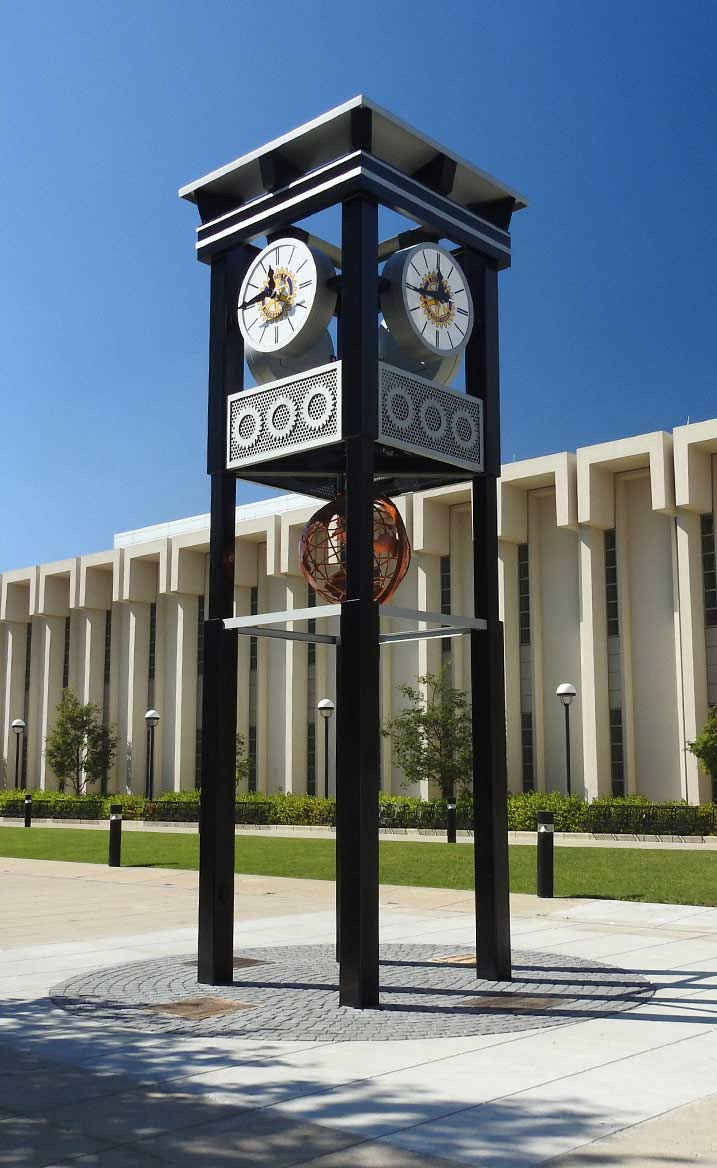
(285, 303)
(441, 369)
(268, 367)
(427, 305)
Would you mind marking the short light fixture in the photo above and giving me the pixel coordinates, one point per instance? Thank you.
(151, 718)
(18, 729)
(566, 691)
(326, 708)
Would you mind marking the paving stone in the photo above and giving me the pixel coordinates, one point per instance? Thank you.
(295, 995)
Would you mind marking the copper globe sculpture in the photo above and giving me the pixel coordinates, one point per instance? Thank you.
(322, 550)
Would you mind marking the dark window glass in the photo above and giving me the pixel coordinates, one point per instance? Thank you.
(311, 628)
(26, 704)
(254, 641)
(617, 755)
(311, 697)
(523, 595)
(66, 655)
(707, 531)
(611, 599)
(200, 636)
(526, 739)
(446, 607)
(107, 673)
(311, 758)
(198, 759)
(251, 751)
(152, 654)
(253, 669)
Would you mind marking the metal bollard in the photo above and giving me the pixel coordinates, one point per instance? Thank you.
(451, 821)
(115, 851)
(546, 838)
(28, 811)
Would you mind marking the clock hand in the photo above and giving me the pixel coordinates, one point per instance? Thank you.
(442, 296)
(268, 291)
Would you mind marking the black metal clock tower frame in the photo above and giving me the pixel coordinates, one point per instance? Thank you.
(349, 158)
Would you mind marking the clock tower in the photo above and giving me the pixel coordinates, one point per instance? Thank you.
(354, 343)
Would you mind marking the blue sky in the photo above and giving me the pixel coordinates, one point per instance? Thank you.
(602, 115)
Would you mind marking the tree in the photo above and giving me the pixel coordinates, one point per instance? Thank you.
(79, 749)
(432, 737)
(704, 746)
(243, 762)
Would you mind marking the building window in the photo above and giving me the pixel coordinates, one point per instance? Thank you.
(200, 692)
(446, 608)
(523, 594)
(200, 636)
(311, 758)
(252, 758)
(198, 759)
(253, 671)
(526, 741)
(311, 703)
(107, 668)
(617, 756)
(152, 654)
(66, 655)
(709, 582)
(611, 604)
(26, 705)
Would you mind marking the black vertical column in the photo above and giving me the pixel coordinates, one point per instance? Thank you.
(358, 750)
(216, 820)
(490, 784)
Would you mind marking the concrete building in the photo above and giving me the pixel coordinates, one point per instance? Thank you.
(607, 579)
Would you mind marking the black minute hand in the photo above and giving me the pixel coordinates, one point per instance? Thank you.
(268, 291)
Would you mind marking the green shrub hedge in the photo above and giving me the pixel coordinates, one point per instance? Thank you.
(628, 816)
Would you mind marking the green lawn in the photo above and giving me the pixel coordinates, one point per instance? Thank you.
(617, 874)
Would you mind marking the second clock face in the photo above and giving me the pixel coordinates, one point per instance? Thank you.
(427, 304)
(284, 302)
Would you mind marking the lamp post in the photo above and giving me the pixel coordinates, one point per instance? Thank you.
(151, 718)
(326, 708)
(566, 692)
(18, 727)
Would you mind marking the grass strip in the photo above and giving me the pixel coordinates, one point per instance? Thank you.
(669, 877)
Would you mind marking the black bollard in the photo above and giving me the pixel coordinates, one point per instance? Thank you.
(451, 821)
(115, 851)
(546, 838)
(28, 811)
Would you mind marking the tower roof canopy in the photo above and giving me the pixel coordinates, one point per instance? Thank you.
(336, 134)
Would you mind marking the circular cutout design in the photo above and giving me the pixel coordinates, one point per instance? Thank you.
(291, 992)
(399, 408)
(246, 426)
(464, 429)
(317, 407)
(433, 418)
(281, 417)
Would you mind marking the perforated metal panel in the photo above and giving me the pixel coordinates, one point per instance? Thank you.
(296, 413)
(425, 418)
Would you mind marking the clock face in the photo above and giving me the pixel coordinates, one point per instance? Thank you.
(284, 302)
(427, 304)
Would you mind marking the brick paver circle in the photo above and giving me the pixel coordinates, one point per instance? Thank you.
(427, 991)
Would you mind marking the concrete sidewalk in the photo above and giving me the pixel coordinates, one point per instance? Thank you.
(633, 1089)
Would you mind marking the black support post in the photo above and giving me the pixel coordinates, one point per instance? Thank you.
(490, 836)
(114, 851)
(545, 853)
(358, 699)
(216, 820)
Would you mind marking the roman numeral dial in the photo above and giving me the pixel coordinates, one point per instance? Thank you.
(427, 306)
(285, 302)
